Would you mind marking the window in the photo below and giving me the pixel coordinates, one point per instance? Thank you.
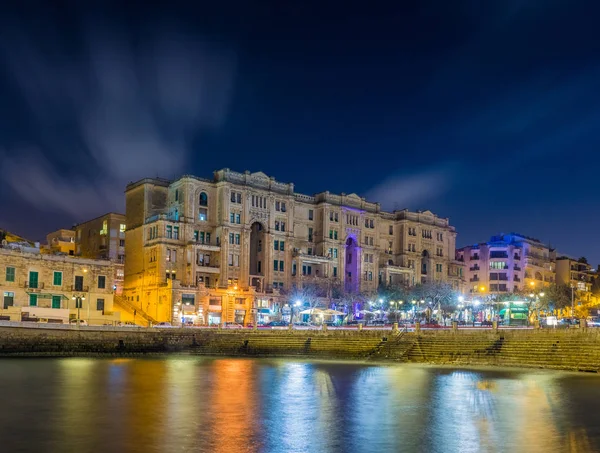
(10, 274)
(276, 225)
(283, 206)
(310, 234)
(306, 270)
(310, 251)
(203, 199)
(203, 215)
(33, 279)
(310, 214)
(101, 282)
(231, 217)
(370, 276)
(238, 219)
(104, 229)
(33, 300)
(371, 223)
(197, 235)
(169, 232)
(282, 226)
(176, 194)
(175, 232)
(57, 278)
(330, 234)
(56, 301)
(335, 253)
(391, 229)
(231, 238)
(498, 265)
(122, 228)
(366, 240)
(100, 305)
(438, 268)
(280, 266)
(237, 239)
(277, 206)
(121, 242)
(230, 259)
(275, 265)
(335, 272)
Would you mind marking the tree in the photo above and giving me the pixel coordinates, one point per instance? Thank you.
(556, 297)
(582, 260)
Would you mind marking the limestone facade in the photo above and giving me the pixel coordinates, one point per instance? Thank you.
(508, 263)
(245, 238)
(43, 286)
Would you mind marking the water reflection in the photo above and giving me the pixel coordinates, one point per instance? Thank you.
(239, 405)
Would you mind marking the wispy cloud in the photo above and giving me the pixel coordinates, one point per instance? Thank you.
(110, 114)
(414, 189)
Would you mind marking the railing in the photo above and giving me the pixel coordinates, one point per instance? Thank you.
(39, 285)
(474, 268)
(83, 289)
(474, 257)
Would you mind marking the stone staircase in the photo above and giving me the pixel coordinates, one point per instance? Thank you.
(284, 345)
(527, 349)
(120, 302)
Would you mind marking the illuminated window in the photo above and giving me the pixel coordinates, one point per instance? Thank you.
(122, 228)
(104, 229)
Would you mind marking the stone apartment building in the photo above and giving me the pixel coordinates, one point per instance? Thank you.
(578, 275)
(212, 249)
(103, 238)
(42, 286)
(507, 263)
(60, 241)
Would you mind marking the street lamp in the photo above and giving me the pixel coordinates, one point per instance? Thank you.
(78, 302)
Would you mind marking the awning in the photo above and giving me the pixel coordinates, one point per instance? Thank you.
(265, 311)
(47, 296)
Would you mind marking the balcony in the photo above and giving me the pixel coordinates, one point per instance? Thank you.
(517, 257)
(498, 255)
(516, 278)
(474, 279)
(206, 246)
(474, 268)
(81, 289)
(517, 268)
(39, 285)
(396, 269)
(208, 268)
(474, 257)
(306, 258)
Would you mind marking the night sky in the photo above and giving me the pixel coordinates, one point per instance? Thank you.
(487, 112)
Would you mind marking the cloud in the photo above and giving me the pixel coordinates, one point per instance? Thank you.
(112, 113)
(404, 190)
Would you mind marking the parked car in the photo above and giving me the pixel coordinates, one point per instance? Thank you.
(593, 322)
(277, 324)
(233, 325)
(82, 322)
(128, 324)
(163, 325)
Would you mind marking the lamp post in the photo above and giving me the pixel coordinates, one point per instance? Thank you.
(296, 304)
(78, 302)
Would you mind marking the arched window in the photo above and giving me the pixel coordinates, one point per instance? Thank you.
(203, 199)
(425, 254)
(538, 276)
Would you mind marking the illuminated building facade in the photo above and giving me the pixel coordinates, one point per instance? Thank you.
(508, 263)
(578, 275)
(103, 238)
(42, 286)
(215, 246)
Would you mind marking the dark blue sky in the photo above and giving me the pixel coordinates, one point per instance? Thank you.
(484, 112)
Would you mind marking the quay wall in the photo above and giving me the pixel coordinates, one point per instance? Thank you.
(569, 349)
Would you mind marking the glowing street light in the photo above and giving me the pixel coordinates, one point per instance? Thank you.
(461, 299)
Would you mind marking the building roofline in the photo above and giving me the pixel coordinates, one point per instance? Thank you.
(156, 181)
(96, 218)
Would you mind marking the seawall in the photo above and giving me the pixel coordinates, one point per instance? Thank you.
(573, 349)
